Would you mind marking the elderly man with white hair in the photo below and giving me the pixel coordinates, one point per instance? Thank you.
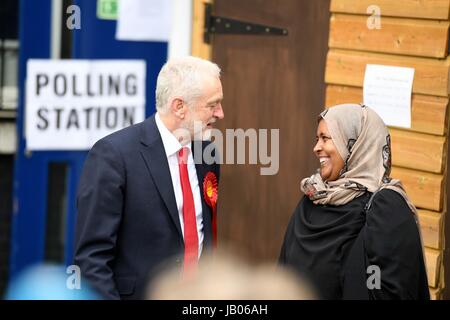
(142, 199)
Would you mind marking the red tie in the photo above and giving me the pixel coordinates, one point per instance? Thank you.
(190, 222)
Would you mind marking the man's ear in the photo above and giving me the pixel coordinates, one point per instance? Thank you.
(178, 107)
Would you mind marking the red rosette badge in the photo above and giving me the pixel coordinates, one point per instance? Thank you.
(210, 193)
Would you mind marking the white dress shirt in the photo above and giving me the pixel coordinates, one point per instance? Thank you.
(172, 146)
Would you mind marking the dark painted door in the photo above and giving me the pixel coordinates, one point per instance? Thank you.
(270, 82)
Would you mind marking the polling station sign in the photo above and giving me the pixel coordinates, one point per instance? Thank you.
(70, 104)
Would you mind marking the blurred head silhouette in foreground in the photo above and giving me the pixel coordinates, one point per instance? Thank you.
(222, 276)
(47, 282)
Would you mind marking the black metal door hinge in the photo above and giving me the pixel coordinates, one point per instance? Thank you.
(223, 25)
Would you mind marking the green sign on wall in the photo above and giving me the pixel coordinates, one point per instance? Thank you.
(107, 9)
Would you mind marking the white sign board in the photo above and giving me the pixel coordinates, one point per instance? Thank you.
(70, 104)
(388, 90)
(144, 20)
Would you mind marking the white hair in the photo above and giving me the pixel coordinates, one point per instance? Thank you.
(183, 77)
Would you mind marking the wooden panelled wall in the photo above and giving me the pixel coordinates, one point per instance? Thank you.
(199, 47)
(413, 34)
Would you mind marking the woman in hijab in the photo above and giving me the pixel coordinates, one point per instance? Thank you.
(355, 233)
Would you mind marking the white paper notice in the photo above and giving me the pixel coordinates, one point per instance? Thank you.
(70, 104)
(144, 20)
(387, 90)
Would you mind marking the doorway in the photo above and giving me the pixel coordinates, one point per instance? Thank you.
(270, 82)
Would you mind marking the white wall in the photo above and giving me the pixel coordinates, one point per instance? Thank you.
(181, 36)
(8, 137)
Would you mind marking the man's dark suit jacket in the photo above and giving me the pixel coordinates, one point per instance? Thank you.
(128, 221)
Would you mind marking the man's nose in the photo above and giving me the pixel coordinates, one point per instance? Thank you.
(218, 113)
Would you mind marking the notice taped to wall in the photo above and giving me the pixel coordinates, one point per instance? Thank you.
(387, 90)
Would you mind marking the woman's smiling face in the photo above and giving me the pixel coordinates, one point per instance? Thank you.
(330, 160)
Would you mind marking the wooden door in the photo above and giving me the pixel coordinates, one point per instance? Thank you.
(270, 82)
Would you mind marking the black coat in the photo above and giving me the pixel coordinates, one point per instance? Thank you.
(335, 246)
(128, 223)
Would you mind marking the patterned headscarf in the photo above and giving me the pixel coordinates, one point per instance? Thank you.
(363, 141)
